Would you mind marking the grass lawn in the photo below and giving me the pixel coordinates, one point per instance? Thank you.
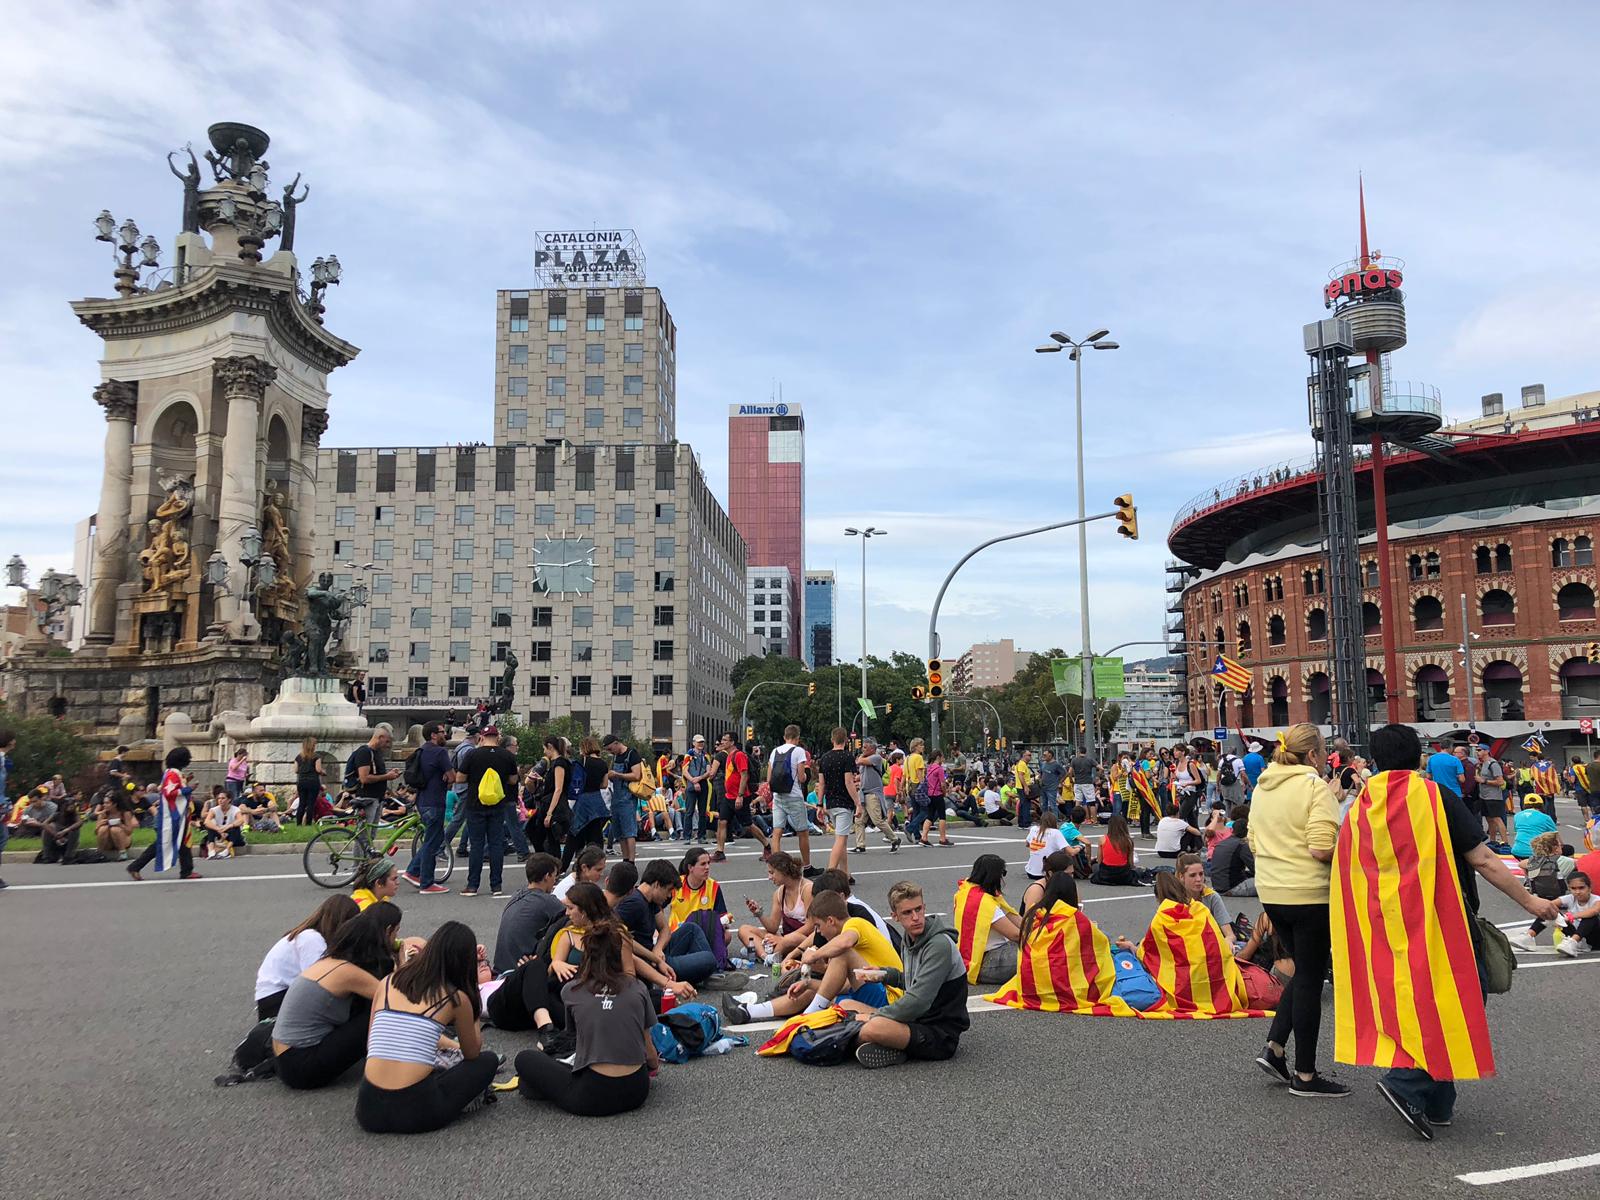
(143, 837)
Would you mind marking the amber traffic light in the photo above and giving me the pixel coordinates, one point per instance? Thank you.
(935, 679)
(1127, 516)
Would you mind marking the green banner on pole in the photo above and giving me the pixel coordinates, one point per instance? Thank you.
(1068, 676)
(1108, 679)
(867, 708)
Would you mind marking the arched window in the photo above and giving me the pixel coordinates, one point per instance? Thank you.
(1277, 701)
(1319, 705)
(1369, 573)
(1560, 553)
(1575, 602)
(1502, 690)
(1483, 560)
(1502, 557)
(1276, 633)
(1317, 625)
(1414, 567)
(1244, 636)
(1371, 619)
(1428, 612)
(1377, 696)
(1433, 693)
(1430, 564)
(1582, 551)
(1580, 688)
(1497, 607)
(1221, 638)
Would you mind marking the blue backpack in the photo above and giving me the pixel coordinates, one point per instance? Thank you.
(576, 778)
(1134, 984)
(684, 1032)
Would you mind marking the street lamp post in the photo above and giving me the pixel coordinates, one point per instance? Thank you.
(57, 592)
(1095, 341)
(865, 535)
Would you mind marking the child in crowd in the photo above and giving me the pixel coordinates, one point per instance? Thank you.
(1076, 846)
(1044, 837)
(1579, 920)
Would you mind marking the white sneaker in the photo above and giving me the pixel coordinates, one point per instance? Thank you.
(1582, 946)
(1523, 941)
(1569, 947)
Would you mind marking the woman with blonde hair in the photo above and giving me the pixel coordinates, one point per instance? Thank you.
(1294, 822)
(307, 781)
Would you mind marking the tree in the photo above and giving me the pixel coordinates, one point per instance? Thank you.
(45, 747)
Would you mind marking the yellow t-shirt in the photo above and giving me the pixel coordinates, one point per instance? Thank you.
(1022, 775)
(364, 898)
(916, 768)
(872, 945)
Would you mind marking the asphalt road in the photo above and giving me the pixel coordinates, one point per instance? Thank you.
(121, 1001)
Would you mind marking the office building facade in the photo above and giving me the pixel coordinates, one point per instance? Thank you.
(819, 619)
(770, 610)
(767, 498)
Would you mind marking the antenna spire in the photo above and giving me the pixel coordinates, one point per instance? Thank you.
(1366, 257)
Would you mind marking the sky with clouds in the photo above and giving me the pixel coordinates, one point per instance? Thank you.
(881, 207)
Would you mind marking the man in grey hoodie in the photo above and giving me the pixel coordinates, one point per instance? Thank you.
(929, 1019)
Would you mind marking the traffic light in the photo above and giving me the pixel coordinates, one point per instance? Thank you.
(1002, 743)
(917, 693)
(749, 733)
(1081, 724)
(811, 689)
(1238, 646)
(935, 679)
(888, 708)
(1594, 652)
(1127, 517)
(947, 706)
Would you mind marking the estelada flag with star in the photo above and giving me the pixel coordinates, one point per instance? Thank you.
(1405, 978)
(1230, 674)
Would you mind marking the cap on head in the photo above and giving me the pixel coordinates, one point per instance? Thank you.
(489, 731)
(377, 871)
(613, 740)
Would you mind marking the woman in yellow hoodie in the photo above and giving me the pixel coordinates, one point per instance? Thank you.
(1294, 822)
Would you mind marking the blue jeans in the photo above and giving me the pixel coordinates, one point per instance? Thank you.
(1435, 1098)
(624, 813)
(517, 833)
(689, 954)
(422, 863)
(1052, 803)
(486, 827)
(456, 823)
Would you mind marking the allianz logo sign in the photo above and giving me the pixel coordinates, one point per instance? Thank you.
(763, 410)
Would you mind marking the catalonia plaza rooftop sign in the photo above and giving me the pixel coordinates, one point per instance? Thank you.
(575, 257)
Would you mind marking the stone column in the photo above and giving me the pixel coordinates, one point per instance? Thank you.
(244, 380)
(120, 400)
(313, 424)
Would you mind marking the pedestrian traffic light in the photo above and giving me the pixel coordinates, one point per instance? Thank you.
(1082, 724)
(1594, 652)
(935, 679)
(947, 706)
(811, 689)
(917, 693)
(1127, 517)
(749, 733)
(888, 708)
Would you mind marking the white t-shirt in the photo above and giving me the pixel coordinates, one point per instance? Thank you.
(991, 800)
(287, 959)
(797, 758)
(565, 886)
(1169, 834)
(1041, 844)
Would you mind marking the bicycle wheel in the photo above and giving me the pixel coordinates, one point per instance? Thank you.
(333, 857)
(443, 864)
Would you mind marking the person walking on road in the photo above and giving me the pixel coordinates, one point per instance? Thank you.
(788, 768)
(434, 769)
(1294, 820)
(487, 804)
(875, 808)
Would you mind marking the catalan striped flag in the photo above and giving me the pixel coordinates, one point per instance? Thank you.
(778, 1043)
(1534, 744)
(1143, 793)
(1231, 674)
(1188, 956)
(1066, 966)
(975, 911)
(1405, 979)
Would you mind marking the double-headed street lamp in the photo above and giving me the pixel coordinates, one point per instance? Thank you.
(865, 535)
(57, 592)
(1059, 341)
(325, 273)
(126, 241)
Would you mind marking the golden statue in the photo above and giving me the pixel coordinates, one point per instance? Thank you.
(167, 560)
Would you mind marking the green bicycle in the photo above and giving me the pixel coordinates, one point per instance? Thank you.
(334, 856)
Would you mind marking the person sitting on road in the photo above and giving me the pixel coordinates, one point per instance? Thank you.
(321, 1028)
(610, 1013)
(852, 943)
(1233, 863)
(1191, 872)
(528, 916)
(224, 826)
(401, 1089)
(698, 900)
(930, 1016)
(1044, 837)
(786, 925)
(530, 995)
(987, 927)
(59, 841)
(260, 809)
(588, 867)
(1118, 858)
(1171, 831)
(297, 950)
(1579, 920)
(30, 819)
(379, 879)
(1054, 864)
(638, 902)
(1529, 824)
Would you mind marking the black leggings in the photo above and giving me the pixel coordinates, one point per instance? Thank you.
(591, 834)
(306, 1067)
(185, 859)
(268, 1006)
(429, 1104)
(581, 1093)
(306, 814)
(525, 991)
(1588, 929)
(1303, 931)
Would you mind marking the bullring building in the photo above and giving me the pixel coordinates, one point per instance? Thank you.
(584, 540)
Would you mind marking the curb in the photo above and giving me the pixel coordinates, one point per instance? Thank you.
(26, 856)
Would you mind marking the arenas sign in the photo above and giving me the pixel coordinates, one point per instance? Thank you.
(1352, 285)
(588, 256)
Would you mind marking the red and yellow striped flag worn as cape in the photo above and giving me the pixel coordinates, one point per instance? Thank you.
(1405, 977)
(1188, 956)
(975, 911)
(1065, 966)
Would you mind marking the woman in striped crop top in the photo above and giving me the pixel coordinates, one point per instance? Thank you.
(401, 1089)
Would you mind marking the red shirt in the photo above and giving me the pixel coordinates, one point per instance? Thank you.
(738, 764)
(1111, 856)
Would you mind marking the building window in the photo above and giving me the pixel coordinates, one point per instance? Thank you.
(622, 616)
(624, 472)
(377, 687)
(544, 514)
(555, 385)
(381, 618)
(505, 514)
(1313, 582)
(499, 618)
(633, 385)
(458, 687)
(343, 549)
(633, 418)
(1243, 641)
(582, 685)
(661, 650)
(518, 355)
(541, 685)
(466, 470)
(517, 385)
(378, 652)
(519, 324)
(1317, 625)
(555, 418)
(664, 468)
(632, 324)
(622, 581)
(582, 616)
(1497, 607)
(417, 687)
(460, 618)
(383, 549)
(583, 468)
(383, 514)
(666, 547)
(422, 514)
(1582, 551)
(501, 581)
(345, 515)
(382, 585)
(665, 615)
(427, 462)
(544, 469)
(463, 549)
(1575, 602)
(421, 583)
(1276, 634)
(594, 385)
(556, 324)
(594, 324)
(460, 652)
(419, 652)
(556, 352)
(1483, 560)
(516, 418)
(622, 685)
(1428, 613)
(385, 480)
(666, 514)
(504, 548)
(422, 618)
(541, 616)
(624, 514)
(583, 514)
(622, 650)
(595, 353)
(345, 472)
(594, 418)
(661, 685)
(633, 352)
(461, 583)
(1369, 573)
(540, 652)
(505, 468)
(582, 651)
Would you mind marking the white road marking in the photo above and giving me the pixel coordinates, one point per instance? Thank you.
(975, 1004)
(1533, 1170)
(1587, 961)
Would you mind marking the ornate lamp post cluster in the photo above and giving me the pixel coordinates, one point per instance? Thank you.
(261, 570)
(126, 242)
(325, 273)
(256, 221)
(57, 592)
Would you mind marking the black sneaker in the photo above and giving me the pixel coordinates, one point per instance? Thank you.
(1318, 1087)
(733, 1012)
(871, 1055)
(1411, 1116)
(811, 872)
(858, 849)
(1275, 1065)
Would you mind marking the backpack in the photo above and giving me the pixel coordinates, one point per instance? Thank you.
(253, 1057)
(1225, 774)
(781, 780)
(1498, 959)
(352, 768)
(576, 779)
(646, 786)
(828, 1046)
(1542, 878)
(1134, 984)
(491, 788)
(685, 1031)
(412, 775)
